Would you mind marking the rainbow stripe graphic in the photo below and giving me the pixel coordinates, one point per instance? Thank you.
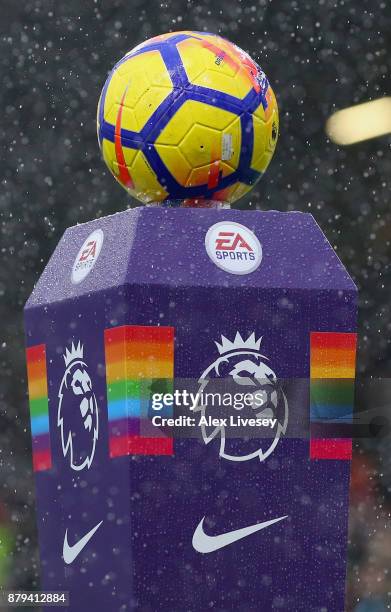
(139, 361)
(39, 407)
(333, 359)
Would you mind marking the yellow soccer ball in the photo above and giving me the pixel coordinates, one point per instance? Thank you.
(187, 117)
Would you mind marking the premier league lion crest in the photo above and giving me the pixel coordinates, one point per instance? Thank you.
(243, 368)
(77, 415)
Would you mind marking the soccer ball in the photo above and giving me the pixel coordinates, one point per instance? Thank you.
(187, 117)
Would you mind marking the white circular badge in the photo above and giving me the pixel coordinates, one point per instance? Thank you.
(233, 247)
(87, 256)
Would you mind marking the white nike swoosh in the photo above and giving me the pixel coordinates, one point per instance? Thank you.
(71, 552)
(204, 543)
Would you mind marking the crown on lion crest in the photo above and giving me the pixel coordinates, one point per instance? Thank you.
(76, 352)
(238, 344)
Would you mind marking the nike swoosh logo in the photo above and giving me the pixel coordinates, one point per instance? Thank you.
(71, 552)
(204, 543)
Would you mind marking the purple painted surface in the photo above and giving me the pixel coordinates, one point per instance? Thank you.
(122, 427)
(151, 272)
(41, 442)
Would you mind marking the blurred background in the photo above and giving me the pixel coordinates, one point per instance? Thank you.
(320, 57)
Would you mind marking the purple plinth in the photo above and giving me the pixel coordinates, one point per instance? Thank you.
(150, 267)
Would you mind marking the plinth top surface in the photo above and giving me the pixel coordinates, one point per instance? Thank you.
(150, 246)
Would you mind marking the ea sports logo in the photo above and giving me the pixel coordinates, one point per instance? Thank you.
(87, 256)
(233, 247)
(229, 241)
